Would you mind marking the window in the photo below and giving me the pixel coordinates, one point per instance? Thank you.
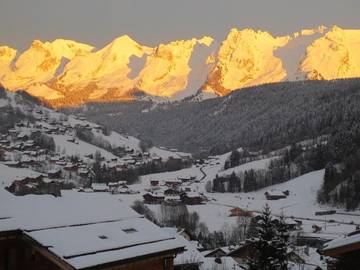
(168, 263)
(130, 230)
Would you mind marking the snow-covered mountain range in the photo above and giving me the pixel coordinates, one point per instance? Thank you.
(66, 72)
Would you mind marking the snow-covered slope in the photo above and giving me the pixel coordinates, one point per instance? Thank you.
(7, 55)
(39, 64)
(335, 55)
(245, 58)
(167, 70)
(102, 70)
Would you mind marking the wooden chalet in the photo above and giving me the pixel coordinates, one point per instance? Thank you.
(13, 164)
(54, 173)
(191, 198)
(275, 195)
(99, 187)
(154, 183)
(34, 185)
(238, 212)
(151, 198)
(347, 249)
(105, 239)
(217, 253)
(171, 192)
(173, 183)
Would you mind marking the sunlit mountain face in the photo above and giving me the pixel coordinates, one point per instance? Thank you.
(69, 73)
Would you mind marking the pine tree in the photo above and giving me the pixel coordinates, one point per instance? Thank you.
(282, 243)
(234, 158)
(234, 183)
(270, 246)
(330, 182)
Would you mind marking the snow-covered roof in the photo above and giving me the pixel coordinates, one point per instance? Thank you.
(341, 242)
(88, 245)
(99, 186)
(226, 263)
(275, 192)
(82, 231)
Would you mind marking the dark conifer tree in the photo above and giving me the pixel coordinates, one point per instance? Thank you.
(270, 244)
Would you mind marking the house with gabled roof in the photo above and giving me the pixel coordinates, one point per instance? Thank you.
(46, 233)
(347, 249)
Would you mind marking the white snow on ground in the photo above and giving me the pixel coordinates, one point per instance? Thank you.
(301, 203)
(117, 139)
(82, 148)
(216, 217)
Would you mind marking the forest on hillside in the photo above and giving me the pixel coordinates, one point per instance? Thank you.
(265, 117)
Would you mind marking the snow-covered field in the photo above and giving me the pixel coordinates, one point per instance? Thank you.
(80, 148)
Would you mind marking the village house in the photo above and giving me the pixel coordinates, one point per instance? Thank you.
(171, 192)
(111, 237)
(83, 172)
(151, 198)
(345, 248)
(71, 167)
(191, 198)
(173, 183)
(186, 178)
(275, 195)
(173, 200)
(99, 187)
(34, 185)
(13, 164)
(154, 183)
(217, 253)
(23, 136)
(54, 173)
(238, 212)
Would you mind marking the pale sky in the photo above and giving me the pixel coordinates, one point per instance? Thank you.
(150, 22)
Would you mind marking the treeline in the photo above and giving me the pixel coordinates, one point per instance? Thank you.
(44, 141)
(8, 117)
(342, 174)
(297, 160)
(237, 158)
(86, 135)
(103, 174)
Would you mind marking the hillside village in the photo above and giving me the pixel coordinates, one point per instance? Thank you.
(65, 180)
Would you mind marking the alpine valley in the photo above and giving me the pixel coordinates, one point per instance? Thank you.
(197, 154)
